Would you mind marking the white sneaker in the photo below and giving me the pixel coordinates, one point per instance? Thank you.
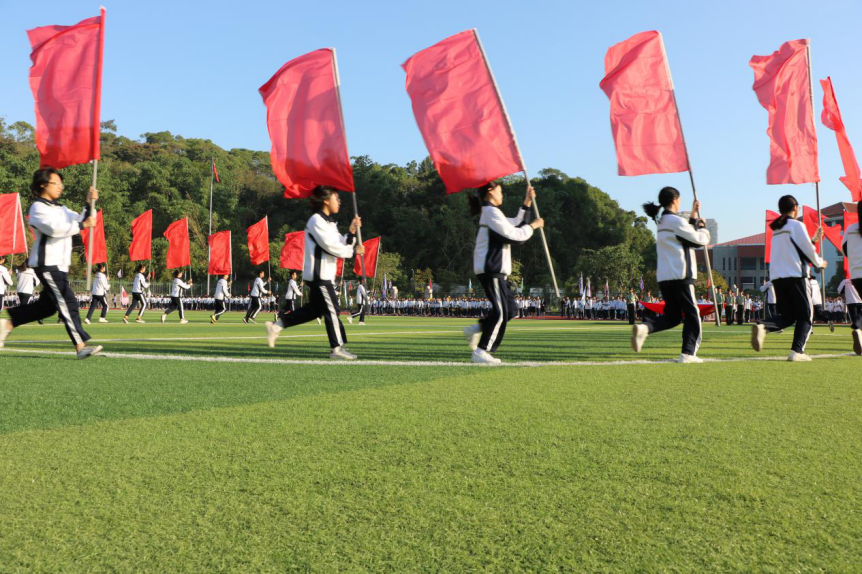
(86, 321)
(164, 317)
(857, 341)
(139, 320)
(362, 323)
(350, 319)
(795, 357)
(102, 320)
(341, 354)
(5, 329)
(183, 321)
(252, 321)
(473, 334)
(125, 320)
(484, 357)
(89, 351)
(689, 359)
(758, 334)
(272, 331)
(639, 335)
(318, 320)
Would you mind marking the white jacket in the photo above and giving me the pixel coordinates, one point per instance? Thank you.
(493, 251)
(140, 284)
(222, 289)
(292, 291)
(5, 279)
(769, 289)
(852, 248)
(676, 242)
(850, 293)
(361, 295)
(27, 281)
(259, 288)
(100, 285)
(324, 246)
(53, 226)
(178, 286)
(792, 251)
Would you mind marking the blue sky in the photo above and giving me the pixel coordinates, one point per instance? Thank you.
(194, 69)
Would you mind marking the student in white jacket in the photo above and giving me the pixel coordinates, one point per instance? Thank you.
(99, 294)
(222, 292)
(5, 280)
(176, 303)
(852, 248)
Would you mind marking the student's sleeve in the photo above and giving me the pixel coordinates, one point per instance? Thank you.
(803, 242)
(54, 222)
(502, 226)
(520, 218)
(685, 231)
(329, 240)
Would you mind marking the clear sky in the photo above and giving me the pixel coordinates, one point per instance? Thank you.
(194, 69)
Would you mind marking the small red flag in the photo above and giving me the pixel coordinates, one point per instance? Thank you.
(644, 118)
(770, 217)
(258, 241)
(141, 247)
(293, 252)
(460, 113)
(220, 253)
(372, 248)
(831, 118)
(12, 239)
(339, 267)
(179, 247)
(100, 249)
(782, 86)
(305, 124)
(215, 173)
(66, 81)
(833, 234)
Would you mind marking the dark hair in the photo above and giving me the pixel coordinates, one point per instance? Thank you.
(666, 197)
(178, 272)
(320, 194)
(140, 268)
(102, 267)
(475, 199)
(41, 178)
(785, 205)
(24, 266)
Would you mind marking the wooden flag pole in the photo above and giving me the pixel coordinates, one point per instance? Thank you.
(816, 183)
(693, 188)
(92, 233)
(521, 158)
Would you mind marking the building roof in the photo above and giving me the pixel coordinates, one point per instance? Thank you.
(758, 239)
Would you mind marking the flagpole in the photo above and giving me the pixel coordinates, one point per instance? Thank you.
(816, 183)
(520, 157)
(92, 214)
(691, 178)
(268, 257)
(209, 249)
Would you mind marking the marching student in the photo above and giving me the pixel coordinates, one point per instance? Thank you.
(258, 290)
(222, 291)
(98, 294)
(676, 273)
(852, 248)
(5, 280)
(769, 289)
(139, 291)
(293, 292)
(27, 283)
(492, 263)
(792, 251)
(817, 301)
(53, 227)
(631, 303)
(176, 304)
(361, 301)
(323, 247)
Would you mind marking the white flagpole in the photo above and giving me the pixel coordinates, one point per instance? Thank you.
(816, 183)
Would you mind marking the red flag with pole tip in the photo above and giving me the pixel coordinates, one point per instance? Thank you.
(141, 247)
(293, 252)
(833, 234)
(831, 118)
(12, 238)
(179, 246)
(100, 249)
(258, 241)
(770, 217)
(215, 173)
(372, 248)
(220, 253)
(339, 267)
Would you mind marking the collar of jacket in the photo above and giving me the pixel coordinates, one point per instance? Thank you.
(328, 218)
(489, 204)
(47, 201)
(666, 212)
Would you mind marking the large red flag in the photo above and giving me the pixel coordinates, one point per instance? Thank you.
(833, 234)
(141, 247)
(372, 248)
(12, 239)
(179, 247)
(460, 113)
(220, 253)
(258, 241)
(644, 118)
(831, 118)
(100, 249)
(66, 81)
(770, 217)
(782, 86)
(303, 116)
(293, 252)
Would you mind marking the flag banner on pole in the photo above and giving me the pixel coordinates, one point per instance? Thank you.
(833, 234)
(642, 283)
(706, 309)
(124, 297)
(12, 238)
(120, 273)
(644, 118)
(589, 290)
(303, 117)
(782, 87)
(831, 118)
(220, 253)
(258, 241)
(100, 249)
(293, 252)
(770, 217)
(581, 284)
(339, 267)
(179, 247)
(141, 247)
(372, 248)
(215, 173)
(460, 114)
(65, 79)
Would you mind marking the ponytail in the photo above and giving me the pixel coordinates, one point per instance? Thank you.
(652, 210)
(666, 197)
(786, 204)
(474, 203)
(475, 199)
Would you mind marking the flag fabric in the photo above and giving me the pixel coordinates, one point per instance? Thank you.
(120, 273)
(179, 247)
(124, 297)
(339, 267)
(831, 118)
(589, 294)
(215, 172)
(470, 285)
(781, 83)
(258, 241)
(383, 288)
(372, 248)
(141, 247)
(770, 217)
(460, 113)
(644, 119)
(100, 249)
(305, 124)
(12, 238)
(581, 284)
(607, 289)
(221, 254)
(642, 283)
(833, 234)
(66, 81)
(293, 252)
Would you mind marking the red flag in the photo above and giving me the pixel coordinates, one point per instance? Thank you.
(782, 86)
(66, 81)
(12, 239)
(220, 253)
(770, 217)
(460, 113)
(258, 241)
(831, 118)
(100, 250)
(833, 234)
(644, 118)
(305, 124)
(293, 252)
(339, 268)
(141, 247)
(179, 247)
(372, 247)
(215, 173)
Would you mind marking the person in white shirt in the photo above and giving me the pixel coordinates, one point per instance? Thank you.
(5, 280)
(177, 288)
(139, 294)
(258, 290)
(852, 248)
(293, 293)
(98, 294)
(27, 283)
(222, 291)
(361, 301)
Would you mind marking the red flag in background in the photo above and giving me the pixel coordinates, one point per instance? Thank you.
(849, 219)
(770, 217)
(179, 247)
(339, 268)
(460, 113)
(372, 247)
(831, 118)
(833, 234)
(215, 173)
(220, 253)
(66, 81)
(141, 247)
(303, 117)
(644, 118)
(782, 86)
(100, 250)
(293, 252)
(258, 241)
(12, 238)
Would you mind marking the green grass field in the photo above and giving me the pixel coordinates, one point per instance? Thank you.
(197, 448)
